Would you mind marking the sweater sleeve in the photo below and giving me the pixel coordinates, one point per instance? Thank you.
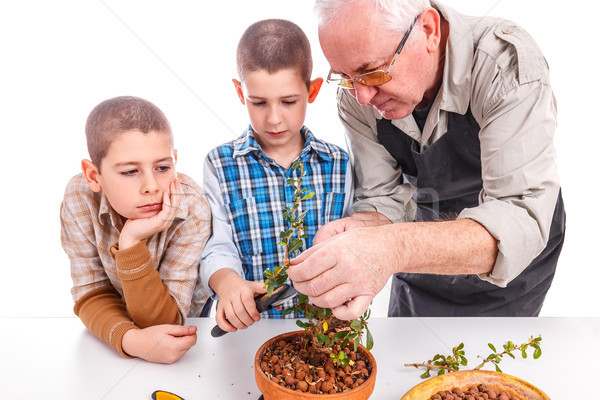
(102, 311)
(147, 298)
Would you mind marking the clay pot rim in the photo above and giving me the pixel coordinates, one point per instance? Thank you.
(368, 385)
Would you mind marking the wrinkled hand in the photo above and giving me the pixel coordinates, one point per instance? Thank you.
(356, 220)
(163, 344)
(346, 271)
(136, 230)
(236, 308)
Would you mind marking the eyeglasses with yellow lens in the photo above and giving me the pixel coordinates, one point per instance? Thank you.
(373, 78)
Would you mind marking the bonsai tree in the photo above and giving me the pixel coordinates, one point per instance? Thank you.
(322, 329)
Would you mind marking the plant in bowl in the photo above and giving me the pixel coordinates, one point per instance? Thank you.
(326, 359)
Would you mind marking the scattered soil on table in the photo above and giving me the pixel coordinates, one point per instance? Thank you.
(298, 364)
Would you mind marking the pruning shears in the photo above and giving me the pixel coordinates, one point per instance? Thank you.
(264, 303)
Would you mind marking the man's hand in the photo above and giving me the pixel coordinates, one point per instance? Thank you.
(236, 308)
(136, 230)
(356, 220)
(345, 272)
(163, 344)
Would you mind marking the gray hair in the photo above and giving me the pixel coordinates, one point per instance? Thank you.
(396, 15)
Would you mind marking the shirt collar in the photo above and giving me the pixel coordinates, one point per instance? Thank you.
(247, 143)
(107, 213)
(456, 83)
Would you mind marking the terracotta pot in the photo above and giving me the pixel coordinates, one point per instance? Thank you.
(273, 391)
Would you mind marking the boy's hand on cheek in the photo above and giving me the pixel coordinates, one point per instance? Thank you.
(136, 230)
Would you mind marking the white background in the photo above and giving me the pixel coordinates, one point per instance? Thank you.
(59, 59)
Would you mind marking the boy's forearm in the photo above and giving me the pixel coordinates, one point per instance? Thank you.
(147, 298)
(103, 312)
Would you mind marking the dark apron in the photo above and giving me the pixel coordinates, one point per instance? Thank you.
(447, 176)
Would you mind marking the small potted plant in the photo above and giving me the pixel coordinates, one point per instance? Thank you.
(324, 360)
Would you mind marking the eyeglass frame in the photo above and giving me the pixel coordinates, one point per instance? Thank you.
(386, 72)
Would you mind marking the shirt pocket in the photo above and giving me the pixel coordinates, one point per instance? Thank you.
(245, 226)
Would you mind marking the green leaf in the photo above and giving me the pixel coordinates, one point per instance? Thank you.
(295, 245)
(296, 164)
(460, 346)
(356, 343)
(323, 339)
(441, 372)
(290, 181)
(280, 280)
(340, 335)
(269, 290)
(425, 374)
(307, 196)
(369, 339)
(498, 368)
(511, 355)
(491, 346)
(537, 353)
(324, 313)
(356, 324)
(288, 310)
(523, 354)
(302, 298)
(463, 361)
(302, 324)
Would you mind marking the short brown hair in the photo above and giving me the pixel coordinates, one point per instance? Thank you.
(273, 45)
(109, 119)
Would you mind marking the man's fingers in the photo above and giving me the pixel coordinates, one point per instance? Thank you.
(310, 264)
(336, 296)
(353, 308)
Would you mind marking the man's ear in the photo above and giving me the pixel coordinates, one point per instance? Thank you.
(239, 90)
(432, 29)
(91, 174)
(315, 86)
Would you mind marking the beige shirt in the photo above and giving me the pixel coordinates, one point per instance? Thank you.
(89, 226)
(494, 67)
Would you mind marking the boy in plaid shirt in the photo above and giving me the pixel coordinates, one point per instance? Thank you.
(134, 231)
(245, 179)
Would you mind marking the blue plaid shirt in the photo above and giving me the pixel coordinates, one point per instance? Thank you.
(247, 192)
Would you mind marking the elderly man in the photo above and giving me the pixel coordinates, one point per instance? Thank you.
(450, 121)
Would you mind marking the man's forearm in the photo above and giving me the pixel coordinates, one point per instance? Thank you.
(458, 247)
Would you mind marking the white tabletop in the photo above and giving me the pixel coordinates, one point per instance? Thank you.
(57, 358)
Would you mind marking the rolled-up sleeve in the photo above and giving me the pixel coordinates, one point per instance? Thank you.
(520, 179)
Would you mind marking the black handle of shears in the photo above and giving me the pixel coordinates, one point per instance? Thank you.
(263, 303)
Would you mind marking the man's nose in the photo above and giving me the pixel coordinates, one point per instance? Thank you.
(362, 93)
